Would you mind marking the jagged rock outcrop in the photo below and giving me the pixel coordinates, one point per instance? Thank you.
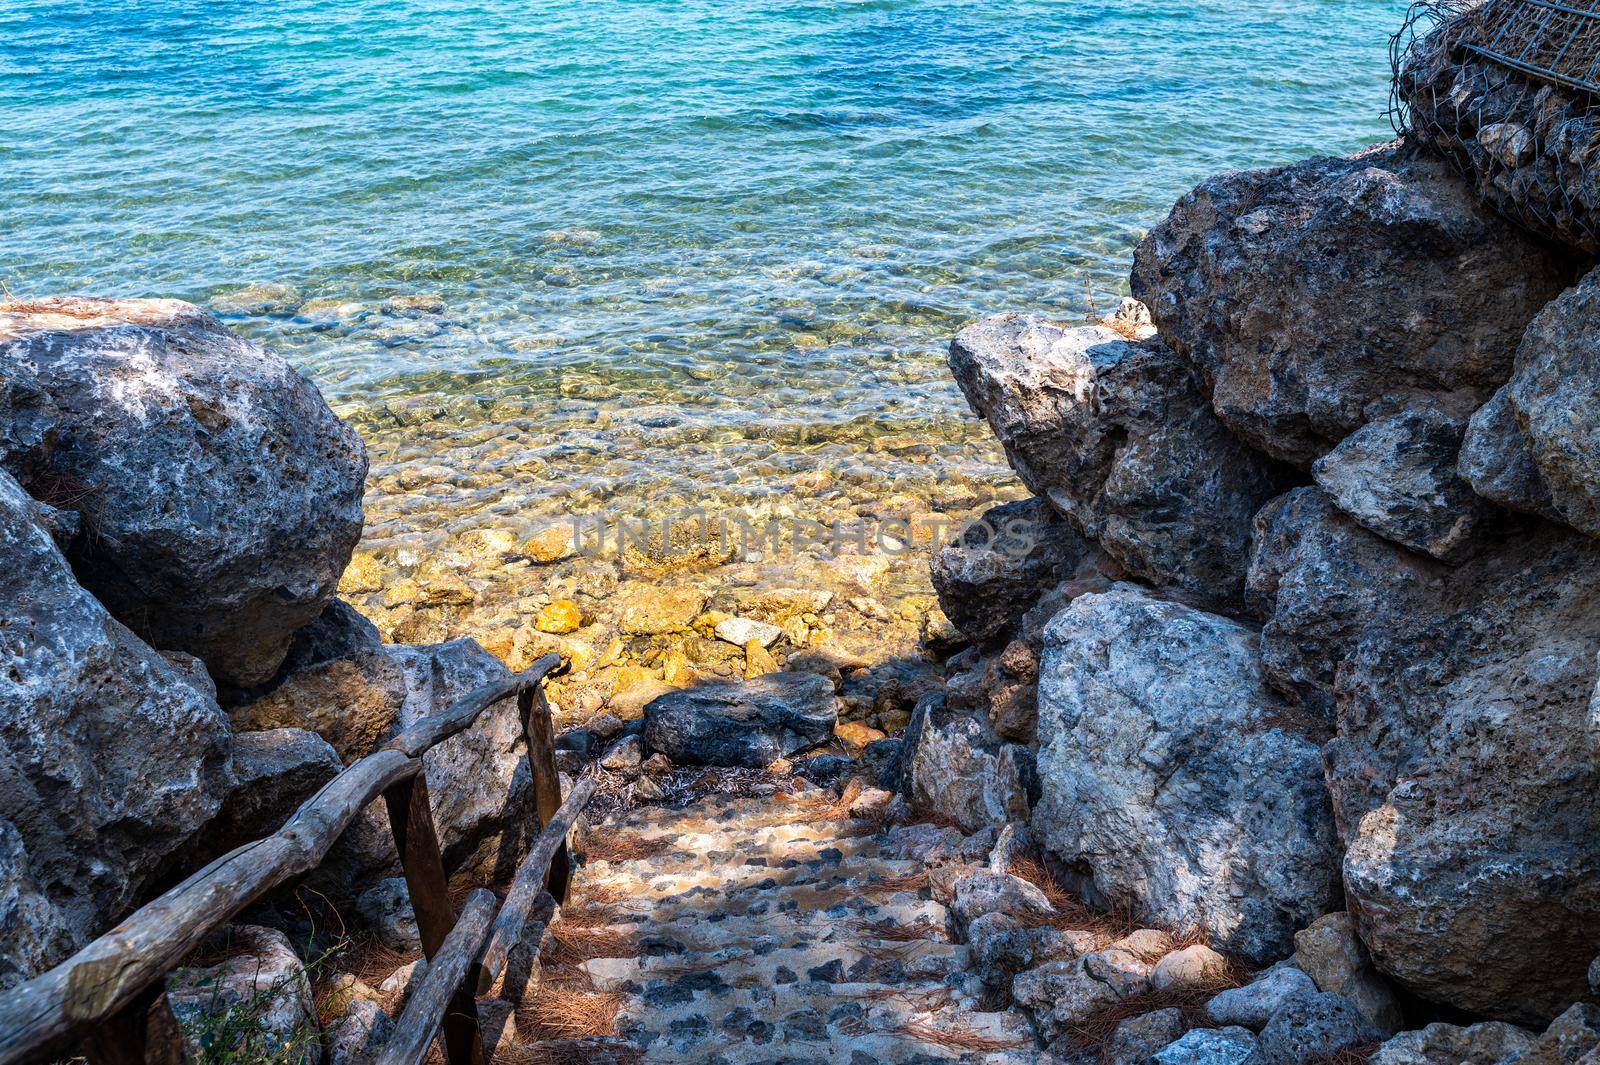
(1461, 771)
(1464, 781)
(1187, 789)
(1397, 476)
(1317, 579)
(1497, 460)
(1317, 295)
(220, 496)
(110, 759)
(753, 723)
(1119, 436)
(997, 568)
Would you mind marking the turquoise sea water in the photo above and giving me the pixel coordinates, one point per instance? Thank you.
(684, 248)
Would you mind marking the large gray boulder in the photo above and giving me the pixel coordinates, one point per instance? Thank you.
(1317, 294)
(1190, 791)
(1555, 394)
(1397, 476)
(744, 723)
(1462, 771)
(997, 568)
(1487, 1043)
(110, 759)
(220, 496)
(1120, 437)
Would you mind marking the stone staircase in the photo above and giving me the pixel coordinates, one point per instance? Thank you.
(766, 931)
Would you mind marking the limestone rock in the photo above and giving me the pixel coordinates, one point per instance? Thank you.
(742, 724)
(1068, 992)
(990, 575)
(741, 631)
(1313, 294)
(1253, 1005)
(1197, 967)
(1497, 460)
(1397, 476)
(28, 417)
(1333, 956)
(1209, 1046)
(35, 933)
(224, 495)
(1311, 1028)
(110, 760)
(1004, 945)
(350, 702)
(1572, 1036)
(1489, 1043)
(1137, 1038)
(256, 1003)
(1555, 393)
(1463, 778)
(649, 610)
(385, 908)
(1176, 777)
(1119, 436)
(986, 892)
(958, 767)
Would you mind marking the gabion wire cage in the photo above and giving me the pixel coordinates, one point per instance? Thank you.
(1510, 91)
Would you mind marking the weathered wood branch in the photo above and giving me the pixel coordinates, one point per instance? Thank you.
(430, 730)
(538, 733)
(107, 975)
(441, 987)
(529, 882)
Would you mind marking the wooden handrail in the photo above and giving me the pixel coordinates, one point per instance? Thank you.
(446, 977)
(111, 973)
(528, 884)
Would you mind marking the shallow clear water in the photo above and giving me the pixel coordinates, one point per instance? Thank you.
(688, 251)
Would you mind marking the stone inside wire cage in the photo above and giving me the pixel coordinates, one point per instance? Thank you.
(1510, 91)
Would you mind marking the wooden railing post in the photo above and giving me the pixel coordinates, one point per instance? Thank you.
(539, 736)
(144, 1032)
(417, 842)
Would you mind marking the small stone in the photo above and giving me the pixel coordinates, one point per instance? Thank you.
(364, 574)
(986, 892)
(560, 617)
(758, 661)
(651, 610)
(1195, 967)
(646, 789)
(624, 755)
(1137, 1038)
(1311, 1027)
(1253, 1005)
(411, 306)
(742, 631)
(1333, 956)
(856, 735)
(605, 726)
(1208, 1046)
(361, 1030)
(548, 545)
(386, 909)
(404, 979)
(259, 297)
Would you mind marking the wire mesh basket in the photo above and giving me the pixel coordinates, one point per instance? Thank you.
(1510, 91)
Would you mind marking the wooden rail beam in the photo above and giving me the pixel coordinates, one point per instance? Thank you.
(446, 990)
(528, 884)
(539, 738)
(105, 977)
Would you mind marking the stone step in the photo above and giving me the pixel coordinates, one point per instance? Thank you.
(700, 852)
(873, 1049)
(841, 897)
(730, 881)
(748, 836)
(678, 1021)
(741, 965)
(701, 932)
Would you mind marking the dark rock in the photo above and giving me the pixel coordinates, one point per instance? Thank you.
(1120, 437)
(1497, 460)
(224, 496)
(996, 569)
(274, 772)
(751, 723)
(1316, 295)
(1397, 476)
(1312, 1028)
